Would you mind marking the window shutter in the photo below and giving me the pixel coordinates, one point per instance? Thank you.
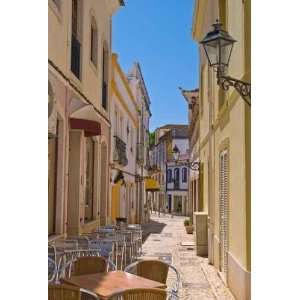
(74, 17)
(224, 210)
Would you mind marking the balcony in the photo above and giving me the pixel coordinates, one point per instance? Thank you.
(120, 152)
(75, 57)
(140, 153)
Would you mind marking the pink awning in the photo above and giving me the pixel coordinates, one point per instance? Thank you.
(91, 128)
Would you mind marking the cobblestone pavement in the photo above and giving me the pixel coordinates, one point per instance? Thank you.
(163, 238)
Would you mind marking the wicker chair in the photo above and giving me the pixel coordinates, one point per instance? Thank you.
(87, 263)
(141, 294)
(156, 270)
(68, 292)
(90, 264)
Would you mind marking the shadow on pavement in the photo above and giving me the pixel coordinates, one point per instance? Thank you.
(152, 227)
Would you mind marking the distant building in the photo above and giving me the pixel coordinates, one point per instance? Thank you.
(172, 177)
(196, 177)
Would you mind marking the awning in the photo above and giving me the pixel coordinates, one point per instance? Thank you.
(151, 185)
(91, 128)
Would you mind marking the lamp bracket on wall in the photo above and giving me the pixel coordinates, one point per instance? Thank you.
(194, 165)
(243, 88)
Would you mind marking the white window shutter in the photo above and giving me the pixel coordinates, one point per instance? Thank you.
(224, 211)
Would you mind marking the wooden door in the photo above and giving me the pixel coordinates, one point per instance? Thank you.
(115, 201)
(89, 180)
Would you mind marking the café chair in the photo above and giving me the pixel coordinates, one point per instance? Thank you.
(68, 292)
(91, 264)
(141, 294)
(156, 270)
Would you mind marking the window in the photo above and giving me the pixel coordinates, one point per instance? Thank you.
(169, 176)
(184, 175)
(105, 58)
(75, 45)
(176, 175)
(74, 17)
(94, 42)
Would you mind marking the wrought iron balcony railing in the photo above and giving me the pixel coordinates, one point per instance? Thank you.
(75, 57)
(120, 155)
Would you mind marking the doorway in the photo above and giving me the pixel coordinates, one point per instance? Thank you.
(52, 165)
(169, 203)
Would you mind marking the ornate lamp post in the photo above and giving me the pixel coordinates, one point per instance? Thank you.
(218, 45)
(195, 165)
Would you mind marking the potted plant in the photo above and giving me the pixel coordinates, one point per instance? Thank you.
(189, 228)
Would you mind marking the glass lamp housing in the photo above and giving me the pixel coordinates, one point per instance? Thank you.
(176, 153)
(218, 45)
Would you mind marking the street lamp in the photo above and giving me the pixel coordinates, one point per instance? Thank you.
(195, 165)
(218, 45)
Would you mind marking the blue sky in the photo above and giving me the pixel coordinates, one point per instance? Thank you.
(157, 34)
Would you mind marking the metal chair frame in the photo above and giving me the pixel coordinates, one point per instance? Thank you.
(53, 276)
(142, 294)
(174, 289)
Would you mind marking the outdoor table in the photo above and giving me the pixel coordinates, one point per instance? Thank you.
(105, 285)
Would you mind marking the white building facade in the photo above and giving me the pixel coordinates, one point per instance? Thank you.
(140, 93)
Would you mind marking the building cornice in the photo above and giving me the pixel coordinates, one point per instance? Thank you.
(123, 102)
(123, 78)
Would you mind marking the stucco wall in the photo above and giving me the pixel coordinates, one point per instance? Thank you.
(227, 127)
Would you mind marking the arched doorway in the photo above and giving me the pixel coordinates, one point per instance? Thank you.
(103, 186)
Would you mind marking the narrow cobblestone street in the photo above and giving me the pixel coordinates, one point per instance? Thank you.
(165, 238)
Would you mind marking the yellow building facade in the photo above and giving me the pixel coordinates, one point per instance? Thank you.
(225, 146)
(79, 49)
